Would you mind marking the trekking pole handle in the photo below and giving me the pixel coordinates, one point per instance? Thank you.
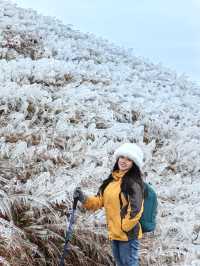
(75, 203)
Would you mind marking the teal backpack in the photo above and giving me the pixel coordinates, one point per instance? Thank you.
(148, 219)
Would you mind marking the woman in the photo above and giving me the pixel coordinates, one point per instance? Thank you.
(122, 196)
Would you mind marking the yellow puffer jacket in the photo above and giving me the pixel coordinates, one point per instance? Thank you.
(122, 216)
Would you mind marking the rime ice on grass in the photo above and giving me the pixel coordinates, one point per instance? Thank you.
(67, 100)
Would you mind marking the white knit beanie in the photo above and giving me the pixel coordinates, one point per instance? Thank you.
(132, 151)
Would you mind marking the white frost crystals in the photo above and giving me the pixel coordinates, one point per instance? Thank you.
(67, 101)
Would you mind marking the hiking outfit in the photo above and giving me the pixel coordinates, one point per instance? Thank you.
(122, 213)
(122, 218)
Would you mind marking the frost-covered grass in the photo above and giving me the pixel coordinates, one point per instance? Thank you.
(67, 100)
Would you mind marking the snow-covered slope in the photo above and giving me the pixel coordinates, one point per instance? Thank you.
(68, 99)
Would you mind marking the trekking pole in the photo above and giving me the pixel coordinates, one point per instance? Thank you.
(69, 232)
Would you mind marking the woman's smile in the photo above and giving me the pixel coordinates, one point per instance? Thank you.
(124, 163)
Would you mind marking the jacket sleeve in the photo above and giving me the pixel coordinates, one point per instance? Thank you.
(93, 203)
(134, 210)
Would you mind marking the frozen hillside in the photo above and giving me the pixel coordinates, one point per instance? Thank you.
(67, 100)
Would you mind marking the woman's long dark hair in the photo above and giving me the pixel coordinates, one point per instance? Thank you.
(133, 175)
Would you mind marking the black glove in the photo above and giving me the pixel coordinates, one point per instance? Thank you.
(78, 193)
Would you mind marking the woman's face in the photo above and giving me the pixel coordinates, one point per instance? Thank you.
(124, 163)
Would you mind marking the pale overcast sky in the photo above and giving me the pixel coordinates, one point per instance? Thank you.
(162, 31)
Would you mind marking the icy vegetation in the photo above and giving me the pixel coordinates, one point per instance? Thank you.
(67, 100)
